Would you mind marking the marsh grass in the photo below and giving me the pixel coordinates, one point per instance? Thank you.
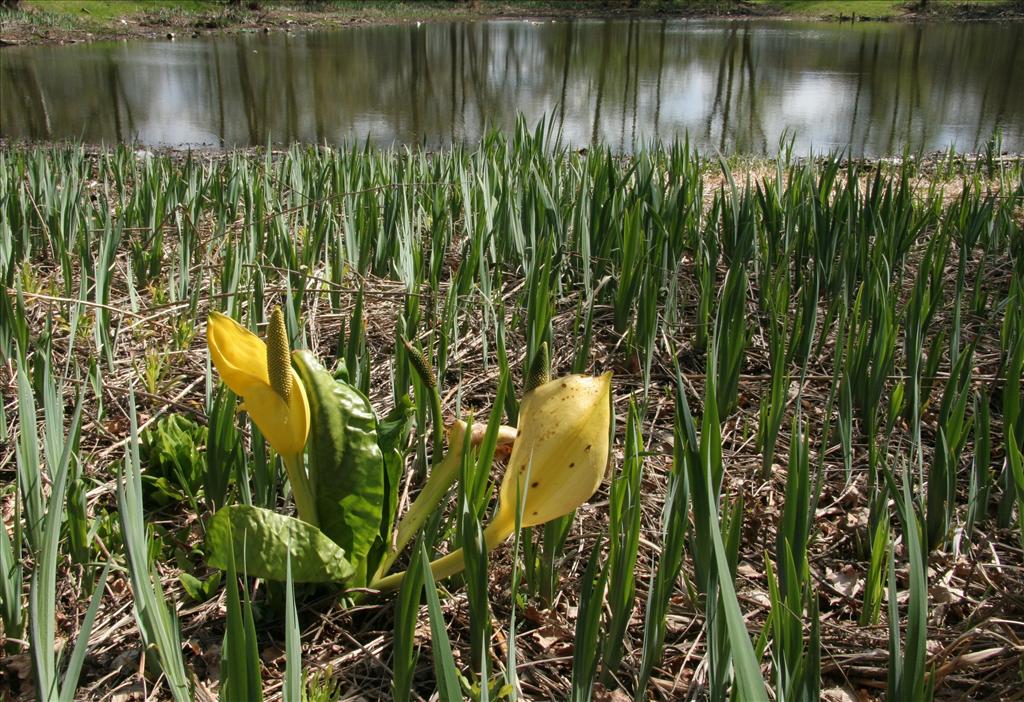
(847, 334)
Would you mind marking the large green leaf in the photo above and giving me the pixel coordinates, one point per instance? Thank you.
(261, 541)
(346, 467)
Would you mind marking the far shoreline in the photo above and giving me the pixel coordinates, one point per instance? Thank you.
(927, 161)
(33, 26)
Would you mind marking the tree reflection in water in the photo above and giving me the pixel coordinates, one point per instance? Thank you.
(732, 86)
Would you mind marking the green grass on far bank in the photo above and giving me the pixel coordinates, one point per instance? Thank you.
(107, 9)
(884, 9)
(834, 8)
(59, 21)
(99, 12)
(96, 15)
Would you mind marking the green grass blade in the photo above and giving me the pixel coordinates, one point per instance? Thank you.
(445, 670)
(292, 686)
(156, 618)
(69, 683)
(407, 609)
(43, 590)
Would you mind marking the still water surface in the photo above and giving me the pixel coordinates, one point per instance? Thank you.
(733, 86)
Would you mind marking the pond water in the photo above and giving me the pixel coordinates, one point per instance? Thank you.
(730, 85)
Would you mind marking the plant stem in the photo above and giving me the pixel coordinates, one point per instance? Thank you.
(305, 501)
(497, 532)
(441, 478)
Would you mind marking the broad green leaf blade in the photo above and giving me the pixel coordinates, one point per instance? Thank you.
(156, 617)
(624, 541)
(43, 588)
(749, 682)
(346, 467)
(1015, 459)
(12, 575)
(262, 540)
(588, 635)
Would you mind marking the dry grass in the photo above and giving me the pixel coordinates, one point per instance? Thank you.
(976, 618)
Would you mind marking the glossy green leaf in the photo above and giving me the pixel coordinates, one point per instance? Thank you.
(346, 467)
(261, 540)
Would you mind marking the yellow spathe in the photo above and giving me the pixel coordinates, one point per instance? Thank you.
(241, 360)
(560, 452)
(558, 461)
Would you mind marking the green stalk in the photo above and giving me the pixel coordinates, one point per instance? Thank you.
(495, 534)
(305, 501)
(880, 545)
(404, 650)
(1015, 461)
(981, 476)
(445, 671)
(441, 478)
(674, 524)
(292, 683)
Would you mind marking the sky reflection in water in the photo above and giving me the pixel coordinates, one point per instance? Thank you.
(731, 86)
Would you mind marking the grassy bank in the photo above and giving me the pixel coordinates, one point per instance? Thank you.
(816, 386)
(40, 21)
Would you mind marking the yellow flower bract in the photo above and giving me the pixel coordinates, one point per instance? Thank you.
(241, 359)
(558, 461)
(561, 449)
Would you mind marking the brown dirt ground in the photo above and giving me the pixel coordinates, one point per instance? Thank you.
(976, 621)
